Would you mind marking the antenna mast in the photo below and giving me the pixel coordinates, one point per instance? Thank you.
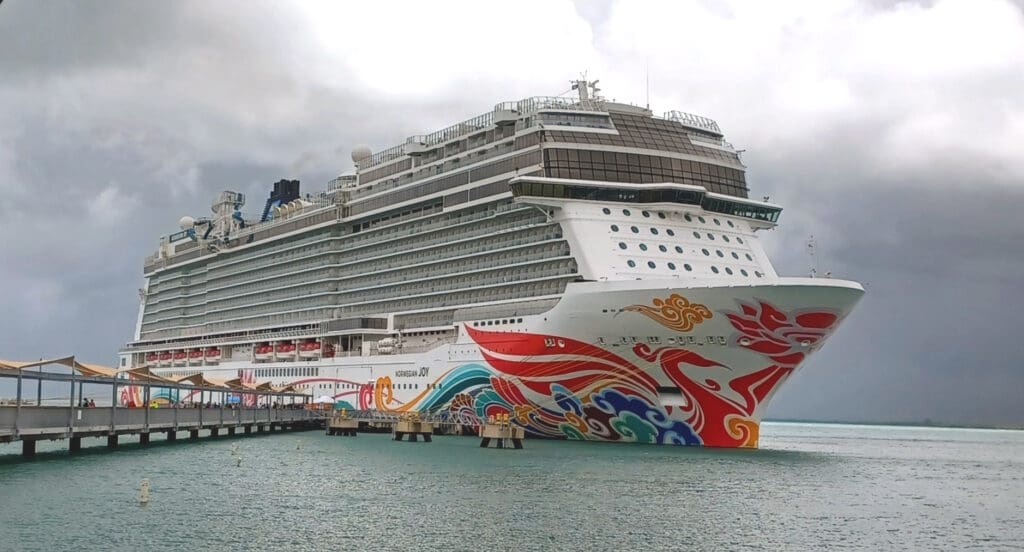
(814, 256)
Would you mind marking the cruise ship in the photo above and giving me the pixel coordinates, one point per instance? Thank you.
(585, 267)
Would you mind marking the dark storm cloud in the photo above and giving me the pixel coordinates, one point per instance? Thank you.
(116, 119)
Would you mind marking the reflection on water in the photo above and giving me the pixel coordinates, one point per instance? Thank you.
(810, 486)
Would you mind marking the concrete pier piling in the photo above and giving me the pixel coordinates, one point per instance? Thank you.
(502, 433)
(341, 424)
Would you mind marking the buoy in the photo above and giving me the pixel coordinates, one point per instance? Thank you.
(144, 492)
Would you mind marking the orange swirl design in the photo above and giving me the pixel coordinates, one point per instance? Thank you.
(744, 430)
(676, 312)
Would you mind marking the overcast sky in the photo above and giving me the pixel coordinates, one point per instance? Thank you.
(891, 131)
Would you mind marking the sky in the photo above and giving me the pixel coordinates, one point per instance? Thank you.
(892, 132)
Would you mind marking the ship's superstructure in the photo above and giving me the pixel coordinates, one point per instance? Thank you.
(582, 265)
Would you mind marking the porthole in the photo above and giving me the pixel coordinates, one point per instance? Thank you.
(735, 256)
(696, 235)
(719, 253)
(661, 215)
(731, 225)
(615, 228)
(717, 222)
(711, 236)
(645, 214)
(606, 211)
(651, 264)
(740, 240)
(749, 258)
(705, 252)
(688, 218)
(671, 266)
(634, 229)
(701, 219)
(622, 245)
(643, 247)
(728, 271)
(714, 269)
(688, 267)
(744, 272)
(663, 249)
(679, 249)
(654, 231)
(631, 263)
(670, 232)
(725, 238)
(625, 212)
(757, 273)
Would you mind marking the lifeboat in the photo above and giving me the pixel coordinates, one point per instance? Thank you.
(263, 351)
(195, 354)
(164, 357)
(179, 357)
(285, 351)
(152, 357)
(309, 349)
(212, 354)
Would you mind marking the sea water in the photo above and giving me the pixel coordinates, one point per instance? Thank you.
(810, 486)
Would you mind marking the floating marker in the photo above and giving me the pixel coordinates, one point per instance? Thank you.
(144, 492)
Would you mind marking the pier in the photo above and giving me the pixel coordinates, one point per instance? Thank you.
(259, 408)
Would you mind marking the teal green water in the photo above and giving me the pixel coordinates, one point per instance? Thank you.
(810, 487)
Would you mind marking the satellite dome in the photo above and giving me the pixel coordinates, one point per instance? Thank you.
(361, 152)
(186, 222)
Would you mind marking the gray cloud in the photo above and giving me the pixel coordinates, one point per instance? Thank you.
(890, 138)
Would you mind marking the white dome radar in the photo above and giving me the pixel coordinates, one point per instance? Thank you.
(361, 152)
(186, 222)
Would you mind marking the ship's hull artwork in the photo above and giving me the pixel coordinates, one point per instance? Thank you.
(683, 366)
